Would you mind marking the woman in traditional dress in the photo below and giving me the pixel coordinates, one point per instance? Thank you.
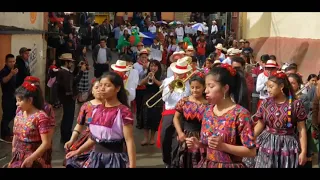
(111, 128)
(32, 140)
(80, 133)
(190, 109)
(277, 119)
(226, 131)
(151, 116)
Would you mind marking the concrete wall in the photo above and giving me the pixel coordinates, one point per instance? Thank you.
(27, 20)
(291, 36)
(37, 61)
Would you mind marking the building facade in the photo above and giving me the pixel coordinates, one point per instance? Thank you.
(291, 36)
(25, 29)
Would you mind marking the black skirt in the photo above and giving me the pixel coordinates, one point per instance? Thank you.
(151, 116)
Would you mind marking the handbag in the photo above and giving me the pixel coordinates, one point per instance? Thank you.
(51, 82)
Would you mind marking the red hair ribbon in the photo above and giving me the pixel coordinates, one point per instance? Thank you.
(232, 71)
(200, 74)
(93, 80)
(29, 87)
(279, 74)
(32, 79)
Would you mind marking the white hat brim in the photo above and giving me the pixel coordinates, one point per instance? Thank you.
(113, 66)
(179, 71)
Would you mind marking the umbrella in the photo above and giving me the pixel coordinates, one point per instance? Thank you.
(198, 27)
(161, 22)
(172, 23)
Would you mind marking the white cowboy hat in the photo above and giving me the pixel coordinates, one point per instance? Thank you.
(233, 52)
(216, 62)
(120, 66)
(190, 48)
(181, 66)
(66, 57)
(219, 46)
(176, 54)
(143, 51)
(242, 41)
(204, 23)
(271, 64)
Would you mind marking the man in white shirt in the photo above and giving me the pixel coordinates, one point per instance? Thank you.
(188, 29)
(125, 17)
(214, 28)
(174, 58)
(142, 67)
(101, 56)
(156, 46)
(169, 143)
(152, 28)
(262, 79)
(230, 53)
(205, 29)
(179, 32)
(219, 49)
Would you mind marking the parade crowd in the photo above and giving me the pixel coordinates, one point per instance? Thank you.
(206, 102)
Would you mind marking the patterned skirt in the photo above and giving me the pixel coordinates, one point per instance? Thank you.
(187, 158)
(108, 154)
(22, 150)
(277, 151)
(78, 161)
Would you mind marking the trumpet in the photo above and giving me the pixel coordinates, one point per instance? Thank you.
(177, 85)
(150, 80)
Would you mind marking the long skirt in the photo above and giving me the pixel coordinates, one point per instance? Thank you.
(78, 161)
(108, 154)
(151, 116)
(187, 158)
(22, 150)
(277, 151)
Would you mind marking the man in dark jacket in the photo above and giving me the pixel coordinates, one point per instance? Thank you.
(8, 86)
(102, 57)
(22, 62)
(67, 93)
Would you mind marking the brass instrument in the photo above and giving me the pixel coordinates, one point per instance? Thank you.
(177, 85)
(150, 80)
(302, 89)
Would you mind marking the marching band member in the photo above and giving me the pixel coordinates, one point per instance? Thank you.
(130, 78)
(142, 67)
(261, 86)
(169, 143)
(173, 58)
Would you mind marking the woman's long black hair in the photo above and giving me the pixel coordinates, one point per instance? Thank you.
(117, 81)
(37, 98)
(297, 78)
(287, 89)
(237, 84)
(311, 76)
(159, 72)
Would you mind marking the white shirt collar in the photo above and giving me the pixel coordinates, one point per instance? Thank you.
(62, 67)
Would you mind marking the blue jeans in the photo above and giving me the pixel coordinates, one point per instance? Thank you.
(201, 59)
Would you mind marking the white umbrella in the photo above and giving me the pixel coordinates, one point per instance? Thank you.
(143, 35)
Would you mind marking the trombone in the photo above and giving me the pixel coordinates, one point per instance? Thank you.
(177, 85)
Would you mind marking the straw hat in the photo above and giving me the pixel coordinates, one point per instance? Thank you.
(219, 46)
(216, 62)
(120, 66)
(143, 51)
(66, 57)
(190, 48)
(271, 64)
(175, 56)
(181, 66)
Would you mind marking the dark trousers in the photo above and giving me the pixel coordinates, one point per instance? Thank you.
(9, 112)
(139, 99)
(99, 69)
(67, 119)
(169, 142)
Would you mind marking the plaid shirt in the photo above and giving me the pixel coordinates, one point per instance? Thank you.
(84, 85)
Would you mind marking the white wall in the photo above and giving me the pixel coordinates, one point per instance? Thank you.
(27, 20)
(282, 24)
(37, 58)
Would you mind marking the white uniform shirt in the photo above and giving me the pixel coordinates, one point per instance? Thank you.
(152, 29)
(171, 99)
(131, 84)
(261, 86)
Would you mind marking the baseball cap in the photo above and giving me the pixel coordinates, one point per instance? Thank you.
(23, 49)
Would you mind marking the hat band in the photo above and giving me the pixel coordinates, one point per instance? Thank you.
(121, 67)
(181, 67)
(271, 64)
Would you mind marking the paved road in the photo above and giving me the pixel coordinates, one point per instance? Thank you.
(147, 156)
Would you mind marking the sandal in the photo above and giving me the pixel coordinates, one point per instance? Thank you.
(144, 143)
